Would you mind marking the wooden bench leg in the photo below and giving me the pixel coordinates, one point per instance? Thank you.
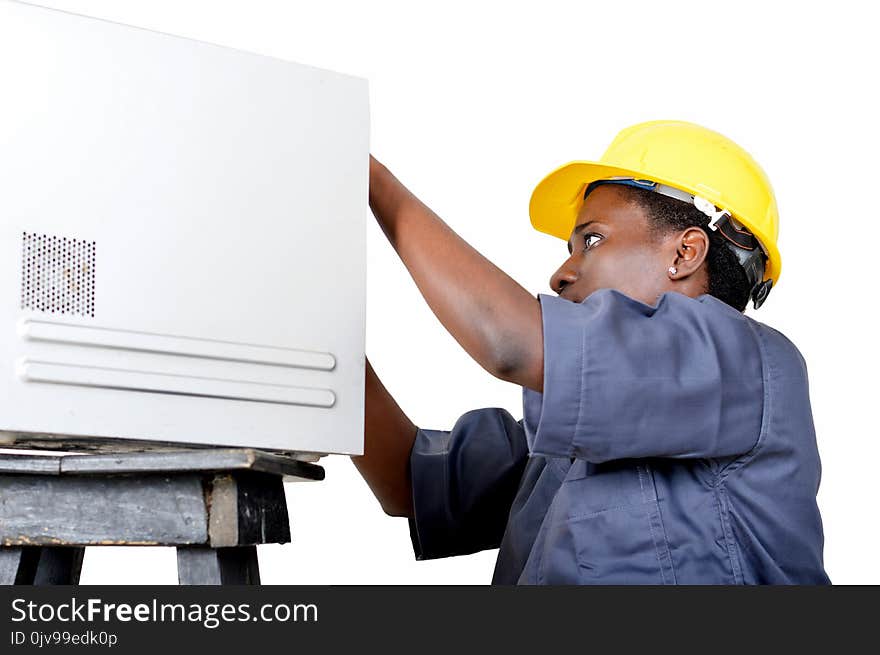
(202, 565)
(40, 565)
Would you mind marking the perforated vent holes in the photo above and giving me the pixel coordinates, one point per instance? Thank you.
(57, 274)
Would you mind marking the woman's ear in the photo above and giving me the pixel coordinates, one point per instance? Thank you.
(691, 248)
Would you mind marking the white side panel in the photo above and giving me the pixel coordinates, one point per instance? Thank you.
(191, 222)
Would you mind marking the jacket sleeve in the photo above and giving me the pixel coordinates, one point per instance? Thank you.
(623, 379)
(464, 482)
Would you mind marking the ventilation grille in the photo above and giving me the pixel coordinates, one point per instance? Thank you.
(57, 274)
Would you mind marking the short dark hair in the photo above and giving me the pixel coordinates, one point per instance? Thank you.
(727, 278)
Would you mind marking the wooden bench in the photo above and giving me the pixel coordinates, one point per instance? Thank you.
(215, 505)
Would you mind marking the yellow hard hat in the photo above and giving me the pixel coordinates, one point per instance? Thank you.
(683, 156)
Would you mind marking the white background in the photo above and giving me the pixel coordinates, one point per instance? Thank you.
(472, 104)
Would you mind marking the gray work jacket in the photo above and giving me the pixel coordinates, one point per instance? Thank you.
(673, 444)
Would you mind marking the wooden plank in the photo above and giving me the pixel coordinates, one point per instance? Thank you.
(217, 566)
(104, 445)
(214, 459)
(111, 446)
(59, 566)
(34, 565)
(247, 508)
(284, 465)
(223, 512)
(262, 509)
(36, 464)
(38, 510)
(18, 565)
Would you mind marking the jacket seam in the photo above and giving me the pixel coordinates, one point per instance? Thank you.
(765, 412)
(651, 526)
(644, 474)
(722, 503)
(549, 519)
(581, 393)
(450, 520)
(574, 518)
(662, 525)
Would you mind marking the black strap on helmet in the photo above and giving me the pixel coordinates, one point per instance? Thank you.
(747, 250)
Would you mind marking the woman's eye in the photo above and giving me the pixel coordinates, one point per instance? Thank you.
(591, 240)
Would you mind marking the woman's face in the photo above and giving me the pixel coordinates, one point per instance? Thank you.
(612, 247)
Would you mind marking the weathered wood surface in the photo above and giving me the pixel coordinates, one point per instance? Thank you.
(215, 505)
(37, 464)
(215, 509)
(107, 445)
(45, 510)
(197, 565)
(33, 565)
(214, 459)
(247, 508)
(86, 444)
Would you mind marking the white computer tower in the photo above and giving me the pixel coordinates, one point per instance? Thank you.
(182, 240)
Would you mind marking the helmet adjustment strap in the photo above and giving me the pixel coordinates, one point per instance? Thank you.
(748, 253)
(740, 242)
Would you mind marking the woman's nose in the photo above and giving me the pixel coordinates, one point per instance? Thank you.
(563, 277)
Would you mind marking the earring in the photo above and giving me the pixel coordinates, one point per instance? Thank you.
(672, 270)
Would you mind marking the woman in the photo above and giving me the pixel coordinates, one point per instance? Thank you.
(666, 437)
